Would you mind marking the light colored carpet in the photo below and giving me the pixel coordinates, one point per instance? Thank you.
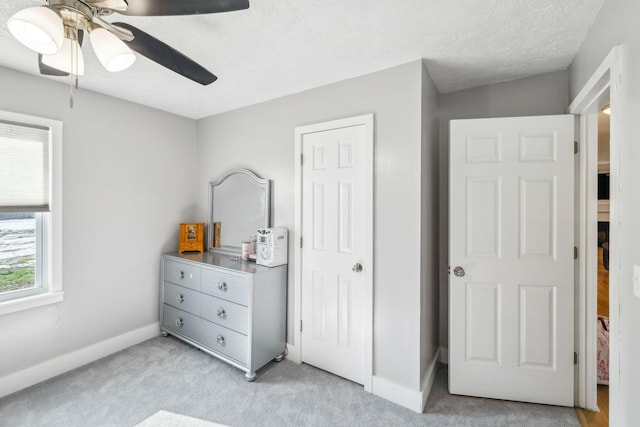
(166, 374)
(169, 419)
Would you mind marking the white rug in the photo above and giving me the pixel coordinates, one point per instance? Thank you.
(169, 419)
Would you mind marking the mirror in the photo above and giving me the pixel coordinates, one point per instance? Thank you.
(240, 202)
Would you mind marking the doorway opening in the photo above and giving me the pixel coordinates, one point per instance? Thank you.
(597, 234)
(602, 340)
(600, 416)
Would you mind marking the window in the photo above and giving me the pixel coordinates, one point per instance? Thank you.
(30, 211)
(20, 254)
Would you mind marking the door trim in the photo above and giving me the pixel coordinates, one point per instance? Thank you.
(295, 350)
(606, 78)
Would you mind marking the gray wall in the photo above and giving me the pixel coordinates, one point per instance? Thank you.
(429, 231)
(128, 180)
(616, 24)
(533, 96)
(260, 137)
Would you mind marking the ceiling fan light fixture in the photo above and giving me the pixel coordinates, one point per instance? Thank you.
(69, 59)
(38, 28)
(113, 53)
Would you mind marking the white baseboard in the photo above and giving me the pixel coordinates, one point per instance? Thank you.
(397, 393)
(428, 379)
(393, 392)
(444, 355)
(293, 353)
(54, 367)
(404, 396)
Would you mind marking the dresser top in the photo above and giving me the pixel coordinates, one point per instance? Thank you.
(220, 260)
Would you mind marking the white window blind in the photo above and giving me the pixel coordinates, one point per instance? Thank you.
(24, 167)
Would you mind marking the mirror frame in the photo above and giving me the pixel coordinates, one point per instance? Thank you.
(260, 183)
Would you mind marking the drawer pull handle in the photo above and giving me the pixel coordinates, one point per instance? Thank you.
(181, 275)
(179, 322)
(220, 340)
(222, 313)
(180, 298)
(222, 286)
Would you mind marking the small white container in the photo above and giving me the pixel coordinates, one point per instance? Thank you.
(246, 249)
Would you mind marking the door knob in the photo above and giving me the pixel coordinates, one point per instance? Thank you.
(459, 271)
(357, 267)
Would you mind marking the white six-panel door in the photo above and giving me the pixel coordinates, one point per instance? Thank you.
(334, 228)
(511, 256)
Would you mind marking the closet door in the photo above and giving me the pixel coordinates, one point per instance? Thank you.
(336, 249)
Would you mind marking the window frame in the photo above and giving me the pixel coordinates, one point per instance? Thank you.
(48, 288)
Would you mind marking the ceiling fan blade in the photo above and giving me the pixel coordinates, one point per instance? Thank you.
(45, 70)
(182, 7)
(166, 56)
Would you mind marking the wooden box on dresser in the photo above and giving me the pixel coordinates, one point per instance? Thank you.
(233, 310)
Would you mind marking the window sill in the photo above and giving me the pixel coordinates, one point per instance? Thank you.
(30, 302)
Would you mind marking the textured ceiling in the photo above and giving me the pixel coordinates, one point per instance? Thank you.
(279, 47)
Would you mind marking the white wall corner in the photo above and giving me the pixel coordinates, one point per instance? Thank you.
(398, 394)
(429, 377)
(444, 355)
(61, 364)
(293, 353)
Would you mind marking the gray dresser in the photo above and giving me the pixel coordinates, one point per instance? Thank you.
(233, 310)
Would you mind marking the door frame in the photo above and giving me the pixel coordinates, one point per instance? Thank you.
(295, 349)
(606, 78)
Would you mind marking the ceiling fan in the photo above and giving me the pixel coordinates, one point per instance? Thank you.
(56, 31)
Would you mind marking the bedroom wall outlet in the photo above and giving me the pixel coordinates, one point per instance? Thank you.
(636, 280)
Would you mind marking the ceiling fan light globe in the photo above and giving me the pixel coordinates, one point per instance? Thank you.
(113, 53)
(121, 62)
(69, 59)
(38, 28)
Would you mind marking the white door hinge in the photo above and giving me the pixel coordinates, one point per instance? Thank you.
(300, 241)
(575, 252)
(301, 159)
(575, 358)
(300, 325)
(576, 147)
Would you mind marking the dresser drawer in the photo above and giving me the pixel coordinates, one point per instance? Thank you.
(225, 341)
(225, 313)
(183, 298)
(182, 274)
(226, 286)
(182, 322)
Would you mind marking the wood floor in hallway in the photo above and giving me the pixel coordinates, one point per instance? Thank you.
(590, 418)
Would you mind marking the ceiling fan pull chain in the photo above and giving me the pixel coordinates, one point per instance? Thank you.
(74, 68)
(75, 58)
(71, 90)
